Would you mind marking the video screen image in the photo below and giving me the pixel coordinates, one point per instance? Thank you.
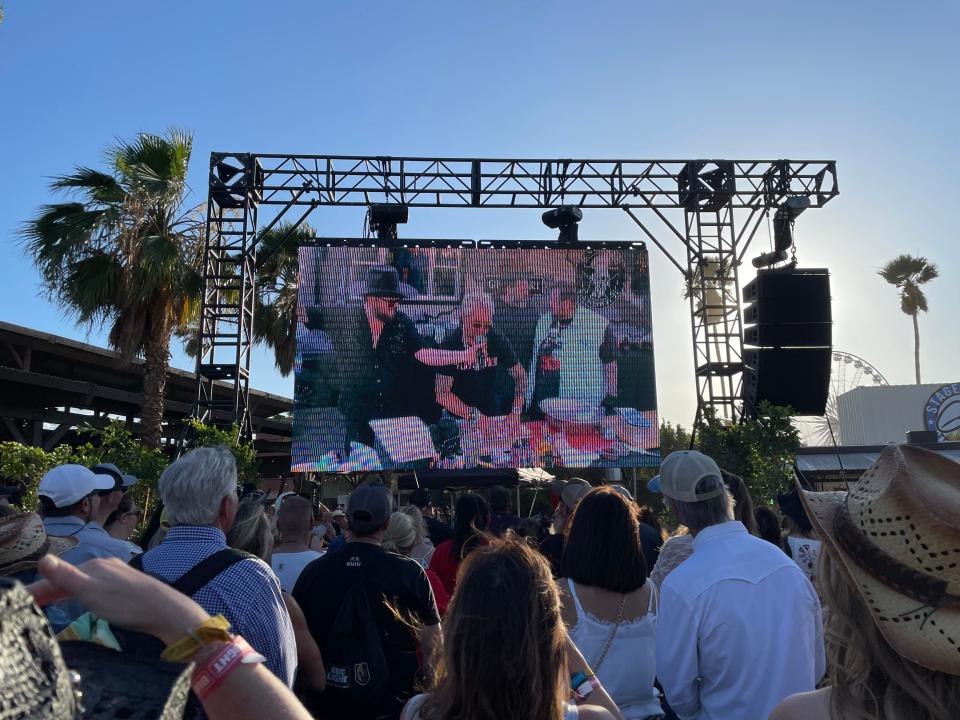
(451, 357)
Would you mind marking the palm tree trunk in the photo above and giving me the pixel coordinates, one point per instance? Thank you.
(156, 361)
(916, 345)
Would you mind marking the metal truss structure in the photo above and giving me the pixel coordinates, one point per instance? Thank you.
(712, 207)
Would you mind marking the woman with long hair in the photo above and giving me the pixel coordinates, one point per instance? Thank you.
(471, 519)
(401, 538)
(891, 593)
(608, 605)
(505, 653)
(251, 532)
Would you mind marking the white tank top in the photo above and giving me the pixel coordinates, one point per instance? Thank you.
(628, 670)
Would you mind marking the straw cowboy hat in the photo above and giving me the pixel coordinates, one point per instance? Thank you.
(897, 533)
(23, 541)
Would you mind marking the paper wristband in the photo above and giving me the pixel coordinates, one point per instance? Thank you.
(207, 678)
(587, 686)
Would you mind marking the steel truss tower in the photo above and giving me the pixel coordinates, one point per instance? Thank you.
(712, 207)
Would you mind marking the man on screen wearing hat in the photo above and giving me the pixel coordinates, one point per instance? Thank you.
(380, 353)
(739, 626)
(70, 497)
(398, 594)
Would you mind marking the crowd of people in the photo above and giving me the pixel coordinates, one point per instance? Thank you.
(834, 605)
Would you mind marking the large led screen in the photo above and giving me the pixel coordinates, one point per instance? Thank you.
(453, 357)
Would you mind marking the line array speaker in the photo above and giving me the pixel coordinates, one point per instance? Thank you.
(790, 324)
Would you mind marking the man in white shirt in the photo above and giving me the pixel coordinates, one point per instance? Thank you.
(739, 626)
(292, 554)
(70, 498)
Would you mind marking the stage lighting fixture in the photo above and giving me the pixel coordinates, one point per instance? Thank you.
(232, 186)
(565, 218)
(384, 218)
(782, 231)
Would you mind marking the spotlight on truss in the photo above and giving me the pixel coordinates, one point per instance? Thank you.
(565, 218)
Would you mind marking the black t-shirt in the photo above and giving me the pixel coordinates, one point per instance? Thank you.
(488, 390)
(374, 381)
(388, 579)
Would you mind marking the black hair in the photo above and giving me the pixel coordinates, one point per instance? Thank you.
(470, 521)
(48, 509)
(602, 548)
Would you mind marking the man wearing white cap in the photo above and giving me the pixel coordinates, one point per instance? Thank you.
(110, 501)
(739, 626)
(70, 498)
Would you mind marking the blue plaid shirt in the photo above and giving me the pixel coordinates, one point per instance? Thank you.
(247, 593)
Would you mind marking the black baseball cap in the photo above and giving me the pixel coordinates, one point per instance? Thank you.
(368, 508)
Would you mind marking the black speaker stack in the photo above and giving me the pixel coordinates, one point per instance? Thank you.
(789, 325)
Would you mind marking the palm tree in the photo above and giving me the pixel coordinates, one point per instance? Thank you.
(275, 319)
(908, 273)
(126, 255)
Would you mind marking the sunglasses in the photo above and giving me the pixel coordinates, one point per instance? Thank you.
(482, 326)
(391, 302)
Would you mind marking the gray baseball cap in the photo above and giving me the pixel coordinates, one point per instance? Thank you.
(368, 508)
(680, 473)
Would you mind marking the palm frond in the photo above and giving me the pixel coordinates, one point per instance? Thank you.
(62, 234)
(94, 287)
(154, 164)
(96, 186)
(929, 272)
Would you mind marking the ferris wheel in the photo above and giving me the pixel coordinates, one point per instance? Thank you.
(847, 371)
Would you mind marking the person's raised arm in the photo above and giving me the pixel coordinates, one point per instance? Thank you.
(129, 598)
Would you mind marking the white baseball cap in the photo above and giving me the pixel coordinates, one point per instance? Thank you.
(680, 473)
(65, 485)
(126, 481)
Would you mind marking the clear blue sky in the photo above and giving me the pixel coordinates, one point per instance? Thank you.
(872, 85)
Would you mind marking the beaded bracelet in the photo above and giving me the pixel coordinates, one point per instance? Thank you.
(212, 630)
(209, 676)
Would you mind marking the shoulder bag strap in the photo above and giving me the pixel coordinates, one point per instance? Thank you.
(613, 633)
(207, 569)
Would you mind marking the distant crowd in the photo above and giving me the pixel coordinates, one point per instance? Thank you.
(835, 605)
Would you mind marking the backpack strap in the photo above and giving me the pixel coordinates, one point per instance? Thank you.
(207, 569)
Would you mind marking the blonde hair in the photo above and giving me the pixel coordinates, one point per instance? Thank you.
(250, 529)
(869, 679)
(401, 534)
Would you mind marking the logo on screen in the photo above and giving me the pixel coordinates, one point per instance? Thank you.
(601, 277)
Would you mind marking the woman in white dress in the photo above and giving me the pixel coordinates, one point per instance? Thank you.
(609, 606)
